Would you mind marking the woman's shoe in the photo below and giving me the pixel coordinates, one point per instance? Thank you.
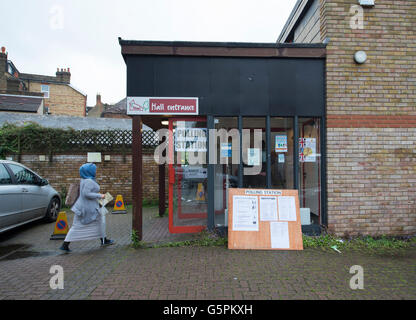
(65, 248)
(107, 242)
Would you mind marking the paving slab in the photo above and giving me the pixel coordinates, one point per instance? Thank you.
(189, 273)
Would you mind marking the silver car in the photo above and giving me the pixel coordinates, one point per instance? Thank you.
(25, 196)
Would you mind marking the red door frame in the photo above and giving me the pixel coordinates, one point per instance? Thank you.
(172, 228)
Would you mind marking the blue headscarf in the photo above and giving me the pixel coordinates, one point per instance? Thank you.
(87, 171)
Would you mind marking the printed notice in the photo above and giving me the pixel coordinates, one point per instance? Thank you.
(279, 234)
(226, 150)
(108, 198)
(268, 208)
(253, 157)
(190, 139)
(245, 213)
(281, 144)
(287, 209)
(307, 149)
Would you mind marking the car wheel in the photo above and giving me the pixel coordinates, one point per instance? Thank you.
(53, 210)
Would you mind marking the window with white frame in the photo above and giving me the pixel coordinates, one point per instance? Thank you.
(45, 90)
(10, 69)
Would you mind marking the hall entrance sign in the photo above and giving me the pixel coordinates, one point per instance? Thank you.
(162, 106)
(264, 219)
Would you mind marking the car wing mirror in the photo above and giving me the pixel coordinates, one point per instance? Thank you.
(42, 182)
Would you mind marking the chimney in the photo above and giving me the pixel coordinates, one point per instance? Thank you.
(63, 75)
(3, 60)
(3, 69)
(98, 100)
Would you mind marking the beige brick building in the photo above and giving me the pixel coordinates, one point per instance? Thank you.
(370, 110)
(60, 96)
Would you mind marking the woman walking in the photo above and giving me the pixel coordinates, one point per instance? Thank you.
(87, 224)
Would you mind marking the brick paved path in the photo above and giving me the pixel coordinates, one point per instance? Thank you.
(120, 272)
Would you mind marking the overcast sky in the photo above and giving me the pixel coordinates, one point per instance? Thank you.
(42, 35)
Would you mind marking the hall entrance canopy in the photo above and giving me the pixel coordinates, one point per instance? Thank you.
(275, 92)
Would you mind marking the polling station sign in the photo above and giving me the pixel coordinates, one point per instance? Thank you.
(190, 139)
(162, 106)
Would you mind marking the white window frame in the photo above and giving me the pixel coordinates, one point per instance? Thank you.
(45, 92)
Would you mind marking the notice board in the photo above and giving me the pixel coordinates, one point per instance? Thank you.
(264, 219)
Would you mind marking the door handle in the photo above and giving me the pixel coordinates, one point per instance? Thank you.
(24, 190)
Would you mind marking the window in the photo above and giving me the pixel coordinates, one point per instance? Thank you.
(4, 176)
(10, 69)
(45, 90)
(23, 176)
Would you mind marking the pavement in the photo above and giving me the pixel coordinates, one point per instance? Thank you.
(190, 273)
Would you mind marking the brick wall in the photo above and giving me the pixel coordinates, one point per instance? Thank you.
(63, 100)
(371, 118)
(113, 176)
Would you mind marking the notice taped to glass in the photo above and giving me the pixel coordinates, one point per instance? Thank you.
(190, 139)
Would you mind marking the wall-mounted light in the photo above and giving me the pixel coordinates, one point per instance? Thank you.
(366, 3)
(360, 57)
(165, 123)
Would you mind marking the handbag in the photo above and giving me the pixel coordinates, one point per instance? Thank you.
(73, 194)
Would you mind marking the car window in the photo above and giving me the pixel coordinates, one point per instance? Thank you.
(23, 176)
(4, 176)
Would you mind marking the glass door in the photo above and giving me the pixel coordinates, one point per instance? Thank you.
(254, 152)
(227, 147)
(188, 175)
(310, 171)
(281, 151)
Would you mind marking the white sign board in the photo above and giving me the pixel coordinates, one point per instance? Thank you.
(94, 157)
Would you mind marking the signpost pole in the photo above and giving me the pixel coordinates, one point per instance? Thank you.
(162, 206)
(268, 154)
(211, 177)
(137, 177)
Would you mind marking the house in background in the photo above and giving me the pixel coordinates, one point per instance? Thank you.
(60, 97)
(104, 110)
(21, 104)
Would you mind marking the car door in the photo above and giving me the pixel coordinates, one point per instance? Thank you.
(34, 198)
(10, 200)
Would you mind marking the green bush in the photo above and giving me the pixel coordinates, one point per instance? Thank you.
(33, 138)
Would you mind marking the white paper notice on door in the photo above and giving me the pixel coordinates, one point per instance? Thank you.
(287, 209)
(268, 208)
(279, 234)
(245, 213)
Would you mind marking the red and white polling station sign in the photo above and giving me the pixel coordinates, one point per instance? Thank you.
(159, 106)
